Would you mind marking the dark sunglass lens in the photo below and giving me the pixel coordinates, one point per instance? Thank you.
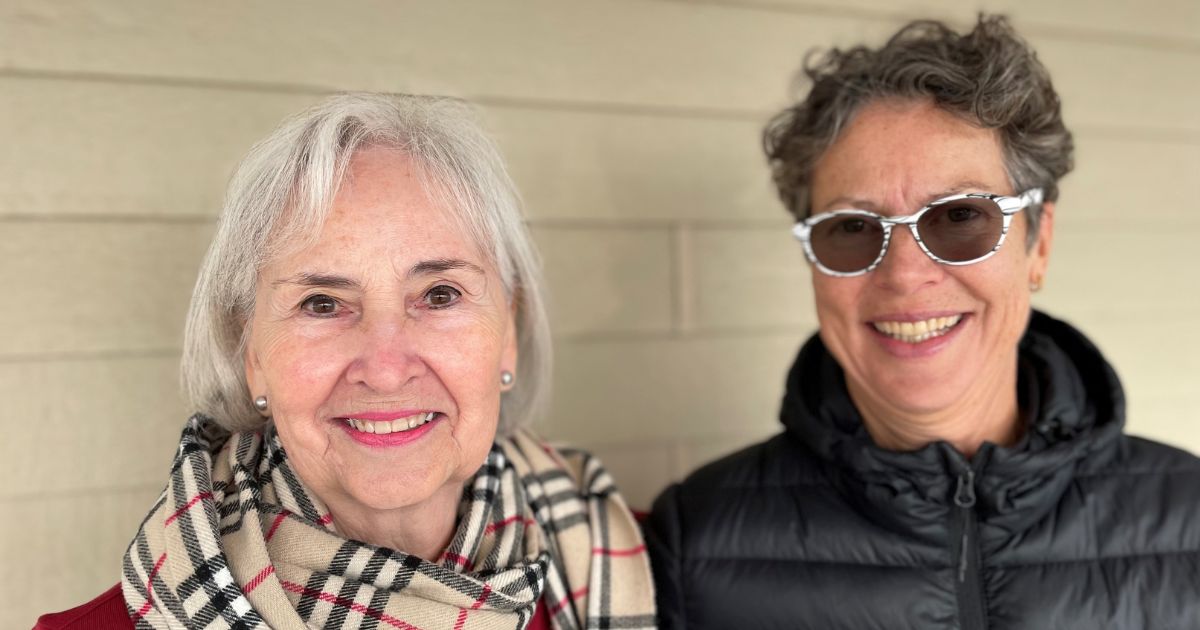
(962, 230)
(847, 243)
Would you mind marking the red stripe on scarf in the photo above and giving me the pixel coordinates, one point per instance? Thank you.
(600, 551)
(325, 520)
(458, 560)
(278, 520)
(462, 614)
(568, 599)
(346, 603)
(141, 612)
(258, 579)
(196, 499)
(492, 527)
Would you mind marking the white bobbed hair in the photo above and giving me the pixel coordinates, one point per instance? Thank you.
(280, 196)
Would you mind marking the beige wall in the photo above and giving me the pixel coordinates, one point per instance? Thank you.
(632, 128)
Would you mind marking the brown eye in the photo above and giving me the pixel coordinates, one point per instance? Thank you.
(319, 305)
(961, 214)
(441, 296)
(852, 226)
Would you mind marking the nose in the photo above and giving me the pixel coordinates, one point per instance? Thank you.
(387, 355)
(906, 268)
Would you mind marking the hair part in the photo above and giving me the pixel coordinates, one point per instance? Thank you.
(990, 77)
(280, 196)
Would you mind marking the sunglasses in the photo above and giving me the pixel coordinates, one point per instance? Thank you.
(956, 230)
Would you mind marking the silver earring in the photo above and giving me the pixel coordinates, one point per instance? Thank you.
(260, 404)
(506, 378)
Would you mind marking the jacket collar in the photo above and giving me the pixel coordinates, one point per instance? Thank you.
(1072, 399)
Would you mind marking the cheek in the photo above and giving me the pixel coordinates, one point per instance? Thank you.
(836, 301)
(468, 345)
(300, 370)
(1004, 290)
(837, 314)
(465, 354)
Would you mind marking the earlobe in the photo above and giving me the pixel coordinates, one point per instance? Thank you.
(508, 356)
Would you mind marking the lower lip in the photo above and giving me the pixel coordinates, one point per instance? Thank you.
(384, 440)
(926, 348)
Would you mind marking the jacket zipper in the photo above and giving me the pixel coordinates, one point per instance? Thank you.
(966, 536)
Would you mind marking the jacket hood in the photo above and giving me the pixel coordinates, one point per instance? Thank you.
(1071, 399)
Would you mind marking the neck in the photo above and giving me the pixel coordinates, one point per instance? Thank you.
(422, 530)
(988, 412)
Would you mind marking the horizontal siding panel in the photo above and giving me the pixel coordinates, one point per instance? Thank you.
(95, 287)
(105, 149)
(607, 280)
(1123, 273)
(1124, 183)
(111, 423)
(63, 551)
(674, 55)
(750, 278)
(633, 168)
(664, 389)
(1155, 352)
(641, 470)
(631, 53)
(108, 149)
(1170, 418)
(1104, 84)
(1143, 21)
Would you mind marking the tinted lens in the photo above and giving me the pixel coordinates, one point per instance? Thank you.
(847, 243)
(962, 230)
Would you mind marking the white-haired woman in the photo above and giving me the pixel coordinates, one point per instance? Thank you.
(365, 342)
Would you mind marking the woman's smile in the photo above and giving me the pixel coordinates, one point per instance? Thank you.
(917, 335)
(389, 429)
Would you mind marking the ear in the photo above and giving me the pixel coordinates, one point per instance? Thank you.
(508, 354)
(253, 368)
(1039, 256)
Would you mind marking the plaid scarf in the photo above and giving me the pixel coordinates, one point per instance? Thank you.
(236, 542)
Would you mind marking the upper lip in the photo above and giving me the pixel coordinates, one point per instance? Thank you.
(914, 316)
(384, 415)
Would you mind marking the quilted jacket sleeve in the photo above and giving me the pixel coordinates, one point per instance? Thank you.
(663, 539)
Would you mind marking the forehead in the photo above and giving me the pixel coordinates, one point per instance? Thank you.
(903, 151)
(388, 205)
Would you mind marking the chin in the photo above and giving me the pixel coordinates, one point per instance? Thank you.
(398, 491)
(919, 391)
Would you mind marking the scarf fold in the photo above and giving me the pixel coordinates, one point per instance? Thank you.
(237, 541)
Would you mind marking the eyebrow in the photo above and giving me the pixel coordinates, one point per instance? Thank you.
(309, 279)
(334, 281)
(961, 187)
(439, 265)
(865, 204)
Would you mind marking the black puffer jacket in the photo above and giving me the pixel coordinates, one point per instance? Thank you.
(1076, 527)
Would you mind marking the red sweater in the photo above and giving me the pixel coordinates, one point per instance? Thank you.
(107, 612)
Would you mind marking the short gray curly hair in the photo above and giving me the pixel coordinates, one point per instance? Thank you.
(280, 196)
(988, 76)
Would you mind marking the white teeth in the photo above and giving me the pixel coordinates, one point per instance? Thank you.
(383, 427)
(916, 332)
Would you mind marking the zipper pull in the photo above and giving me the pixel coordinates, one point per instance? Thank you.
(964, 495)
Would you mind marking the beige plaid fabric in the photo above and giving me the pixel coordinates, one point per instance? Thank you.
(236, 541)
